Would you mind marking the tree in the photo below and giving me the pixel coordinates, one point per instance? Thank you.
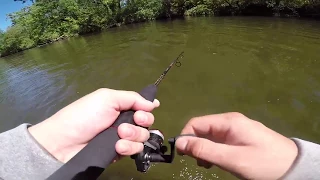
(47, 21)
(1, 41)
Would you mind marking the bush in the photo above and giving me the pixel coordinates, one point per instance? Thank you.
(46, 21)
(199, 10)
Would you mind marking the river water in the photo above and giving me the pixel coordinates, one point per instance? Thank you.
(266, 68)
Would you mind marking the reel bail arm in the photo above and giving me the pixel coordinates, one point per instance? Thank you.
(154, 151)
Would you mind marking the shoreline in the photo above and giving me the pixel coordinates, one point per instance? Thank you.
(116, 25)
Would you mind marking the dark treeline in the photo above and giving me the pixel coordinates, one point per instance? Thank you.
(46, 21)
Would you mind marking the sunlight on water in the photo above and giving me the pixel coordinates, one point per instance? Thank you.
(192, 172)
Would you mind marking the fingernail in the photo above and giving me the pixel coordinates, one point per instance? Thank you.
(181, 143)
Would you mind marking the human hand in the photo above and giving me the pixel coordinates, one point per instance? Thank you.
(235, 143)
(68, 131)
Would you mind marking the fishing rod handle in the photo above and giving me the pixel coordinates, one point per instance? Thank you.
(100, 152)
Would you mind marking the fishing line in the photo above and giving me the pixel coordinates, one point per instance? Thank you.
(100, 152)
(176, 62)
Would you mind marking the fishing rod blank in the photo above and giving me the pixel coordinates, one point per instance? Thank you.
(100, 152)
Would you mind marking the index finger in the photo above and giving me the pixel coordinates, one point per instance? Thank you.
(214, 127)
(124, 100)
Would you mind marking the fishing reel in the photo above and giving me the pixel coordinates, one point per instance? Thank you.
(154, 152)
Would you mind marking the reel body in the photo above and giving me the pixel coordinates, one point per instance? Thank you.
(154, 151)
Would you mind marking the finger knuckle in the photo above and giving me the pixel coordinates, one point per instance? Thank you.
(102, 90)
(141, 134)
(145, 135)
(193, 120)
(134, 93)
(119, 145)
(258, 123)
(137, 133)
(234, 115)
(123, 126)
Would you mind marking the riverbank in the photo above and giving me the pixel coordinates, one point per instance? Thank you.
(51, 41)
(72, 18)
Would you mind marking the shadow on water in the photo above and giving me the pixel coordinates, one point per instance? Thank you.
(266, 68)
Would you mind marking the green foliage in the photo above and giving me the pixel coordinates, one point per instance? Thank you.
(199, 10)
(47, 21)
(1, 41)
(141, 10)
(15, 39)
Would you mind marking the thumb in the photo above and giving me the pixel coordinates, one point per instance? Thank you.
(219, 154)
(124, 100)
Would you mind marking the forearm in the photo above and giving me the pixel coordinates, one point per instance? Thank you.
(21, 157)
(307, 163)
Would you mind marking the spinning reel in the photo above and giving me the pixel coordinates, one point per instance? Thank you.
(154, 151)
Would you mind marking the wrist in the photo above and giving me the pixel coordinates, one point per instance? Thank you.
(305, 164)
(47, 135)
(290, 156)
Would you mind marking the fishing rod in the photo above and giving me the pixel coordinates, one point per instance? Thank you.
(100, 152)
